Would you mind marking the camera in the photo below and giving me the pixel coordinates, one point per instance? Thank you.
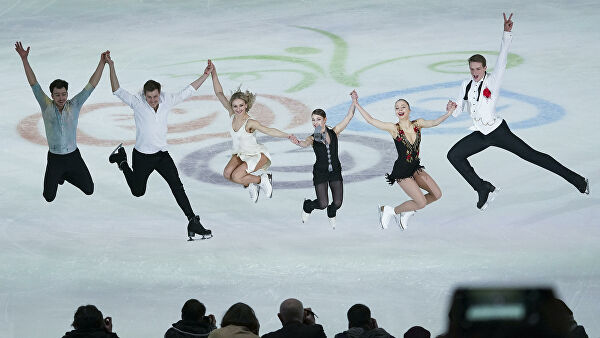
(496, 312)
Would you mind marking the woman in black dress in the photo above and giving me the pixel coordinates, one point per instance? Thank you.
(408, 171)
(327, 170)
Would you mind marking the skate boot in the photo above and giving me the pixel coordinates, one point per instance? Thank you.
(332, 222)
(118, 155)
(195, 227)
(586, 190)
(304, 215)
(385, 215)
(253, 189)
(402, 219)
(486, 195)
(266, 184)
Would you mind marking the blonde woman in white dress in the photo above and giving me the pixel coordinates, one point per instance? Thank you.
(248, 158)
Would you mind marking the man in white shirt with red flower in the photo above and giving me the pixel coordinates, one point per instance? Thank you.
(478, 95)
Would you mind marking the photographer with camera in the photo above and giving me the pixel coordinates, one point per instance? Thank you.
(193, 322)
(88, 322)
(362, 325)
(296, 321)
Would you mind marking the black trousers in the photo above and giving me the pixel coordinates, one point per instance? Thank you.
(503, 138)
(68, 167)
(162, 162)
(322, 201)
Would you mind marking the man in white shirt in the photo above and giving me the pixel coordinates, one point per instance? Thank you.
(150, 111)
(478, 96)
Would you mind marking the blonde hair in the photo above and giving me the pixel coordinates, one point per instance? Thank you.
(245, 96)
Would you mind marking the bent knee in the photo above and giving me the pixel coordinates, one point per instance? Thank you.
(49, 197)
(138, 192)
(89, 190)
(227, 174)
(322, 206)
(451, 155)
(421, 203)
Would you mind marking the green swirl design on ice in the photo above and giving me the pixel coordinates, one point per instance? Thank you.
(311, 71)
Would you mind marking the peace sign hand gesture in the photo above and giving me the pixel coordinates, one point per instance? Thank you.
(508, 23)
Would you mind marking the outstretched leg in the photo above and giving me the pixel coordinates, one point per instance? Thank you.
(167, 169)
(504, 138)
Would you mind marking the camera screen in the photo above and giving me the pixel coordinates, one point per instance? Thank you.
(486, 312)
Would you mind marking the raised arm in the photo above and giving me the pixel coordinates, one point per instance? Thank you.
(219, 89)
(498, 74)
(114, 82)
(199, 81)
(24, 53)
(450, 107)
(342, 125)
(387, 126)
(98, 72)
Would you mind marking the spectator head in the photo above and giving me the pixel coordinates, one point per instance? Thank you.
(291, 310)
(417, 332)
(557, 317)
(88, 317)
(241, 314)
(359, 315)
(193, 310)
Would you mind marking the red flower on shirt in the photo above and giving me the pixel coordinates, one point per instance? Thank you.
(487, 93)
(408, 157)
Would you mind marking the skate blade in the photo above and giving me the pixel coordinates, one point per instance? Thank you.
(270, 176)
(116, 149)
(492, 196)
(190, 239)
(400, 224)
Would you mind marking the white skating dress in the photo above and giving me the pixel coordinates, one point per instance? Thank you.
(246, 147)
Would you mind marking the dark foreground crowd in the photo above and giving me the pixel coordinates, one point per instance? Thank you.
(297, 321)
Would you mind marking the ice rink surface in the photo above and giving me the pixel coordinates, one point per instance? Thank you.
(129, 256)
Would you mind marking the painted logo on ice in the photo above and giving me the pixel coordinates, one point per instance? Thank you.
(383, 154)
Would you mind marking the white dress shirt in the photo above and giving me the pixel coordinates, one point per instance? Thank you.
(483, 112)
(150, 125)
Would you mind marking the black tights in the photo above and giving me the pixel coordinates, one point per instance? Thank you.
(322, 201)
(503, 138)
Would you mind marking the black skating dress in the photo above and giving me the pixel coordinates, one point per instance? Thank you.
(408, 162)
(327, 167)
